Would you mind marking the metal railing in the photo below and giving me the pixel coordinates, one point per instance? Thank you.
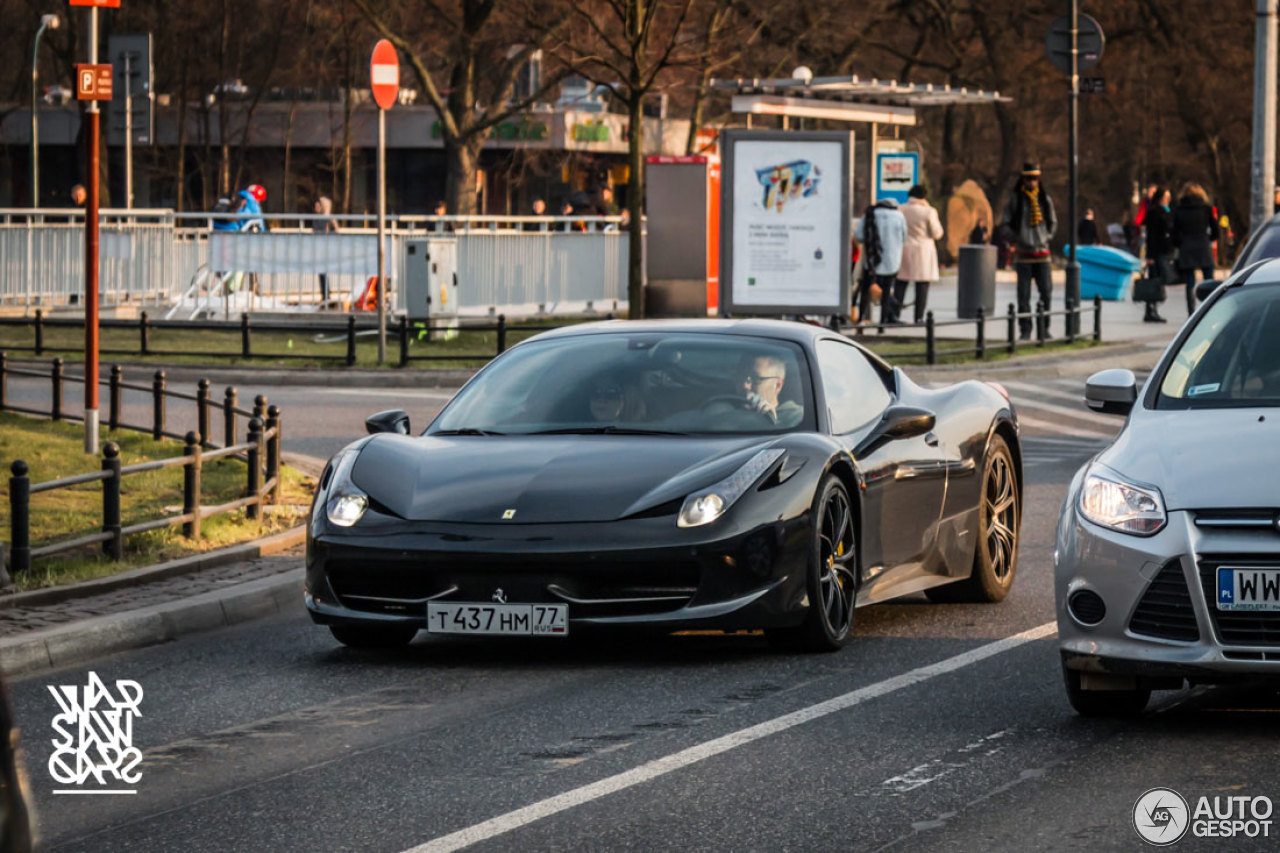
(981, 347)
(516, 265)
(261, 450)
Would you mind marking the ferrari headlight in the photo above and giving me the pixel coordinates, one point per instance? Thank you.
(1110, 502)
(346, 510)
(706, 505)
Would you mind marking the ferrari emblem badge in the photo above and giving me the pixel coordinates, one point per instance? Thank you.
(508, 514)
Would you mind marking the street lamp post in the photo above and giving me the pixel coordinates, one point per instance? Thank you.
(46, 22)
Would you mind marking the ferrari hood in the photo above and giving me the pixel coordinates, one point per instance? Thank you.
(541, 479)
(1203, 458)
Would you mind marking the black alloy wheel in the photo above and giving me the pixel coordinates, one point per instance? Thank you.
(833, 576)
(373, 637)
(995, 558)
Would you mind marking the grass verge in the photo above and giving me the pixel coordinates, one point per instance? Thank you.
(56, 449)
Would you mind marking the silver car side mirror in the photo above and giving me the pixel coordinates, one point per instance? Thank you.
(1111, 392)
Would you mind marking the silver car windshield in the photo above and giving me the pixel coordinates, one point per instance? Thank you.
(638, 382)
(1232, 355)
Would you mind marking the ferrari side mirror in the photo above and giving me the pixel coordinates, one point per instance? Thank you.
(1111, 392)
(906, 422)
(392, 420)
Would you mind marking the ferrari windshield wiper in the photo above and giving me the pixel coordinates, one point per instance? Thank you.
(468, 431)
(608, 429)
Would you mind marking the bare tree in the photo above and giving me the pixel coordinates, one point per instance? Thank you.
(466, 56)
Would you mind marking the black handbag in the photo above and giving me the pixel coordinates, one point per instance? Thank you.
(1148, 290)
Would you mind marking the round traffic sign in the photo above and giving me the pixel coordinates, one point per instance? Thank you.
(1089, 42)
(384, 74)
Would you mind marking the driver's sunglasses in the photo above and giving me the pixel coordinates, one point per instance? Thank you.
(754, 379)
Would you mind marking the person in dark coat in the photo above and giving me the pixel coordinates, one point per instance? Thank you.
(1087, 230)
(1194, 230)
(1160, 246)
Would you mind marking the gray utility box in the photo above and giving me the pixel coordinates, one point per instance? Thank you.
(976, 284)
(431, 278)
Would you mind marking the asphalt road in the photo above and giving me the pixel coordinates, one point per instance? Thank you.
(931, 731)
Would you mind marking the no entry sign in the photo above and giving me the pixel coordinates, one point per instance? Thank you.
(384, 74)
(102, 4)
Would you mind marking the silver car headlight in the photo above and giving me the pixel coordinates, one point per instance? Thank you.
(706, 505)
(1107, 500)
(346, 509)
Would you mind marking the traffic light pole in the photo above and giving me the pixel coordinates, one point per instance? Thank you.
(91, 257)
(1264, 116)
(1071, 294)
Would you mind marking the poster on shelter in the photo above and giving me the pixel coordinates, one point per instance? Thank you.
(788, 222)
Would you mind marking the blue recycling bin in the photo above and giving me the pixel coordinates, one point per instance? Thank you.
(1106, 271)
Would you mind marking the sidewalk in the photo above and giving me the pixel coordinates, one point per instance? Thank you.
(48, 629)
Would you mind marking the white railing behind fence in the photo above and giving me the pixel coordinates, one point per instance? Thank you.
(518, 266)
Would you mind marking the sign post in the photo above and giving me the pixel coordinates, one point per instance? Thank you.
(92, 85)
(384, 79)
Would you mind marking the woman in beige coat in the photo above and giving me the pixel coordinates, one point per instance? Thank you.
(920, 254)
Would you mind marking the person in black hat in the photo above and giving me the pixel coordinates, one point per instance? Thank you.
(1030, 217)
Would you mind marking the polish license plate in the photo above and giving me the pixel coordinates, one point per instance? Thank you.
(460, 617)
(1248, 589)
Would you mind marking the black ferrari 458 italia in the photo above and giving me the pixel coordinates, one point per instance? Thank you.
(671, 475)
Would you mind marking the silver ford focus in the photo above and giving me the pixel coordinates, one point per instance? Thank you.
(1167, 561)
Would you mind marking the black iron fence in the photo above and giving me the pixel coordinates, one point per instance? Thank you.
(242, 337)
(261, 451)
(982, 346)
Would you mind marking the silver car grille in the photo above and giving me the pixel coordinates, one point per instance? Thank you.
(1165, 610)
(1237, 519)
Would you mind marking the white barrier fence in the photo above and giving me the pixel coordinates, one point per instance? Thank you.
(481, 266)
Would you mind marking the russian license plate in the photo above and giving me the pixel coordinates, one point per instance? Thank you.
(459, 617)
(1248, 589)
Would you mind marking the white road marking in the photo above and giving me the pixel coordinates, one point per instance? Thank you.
(1030, 391)
(1061, 429)
(676, 761)
(1081, 414)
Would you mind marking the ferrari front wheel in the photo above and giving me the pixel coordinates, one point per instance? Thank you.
(995, 557)
(833, 575)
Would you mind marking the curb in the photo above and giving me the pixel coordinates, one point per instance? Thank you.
(90, 639)
(264, 547)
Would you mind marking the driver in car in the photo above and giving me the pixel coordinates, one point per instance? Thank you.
(762, 383)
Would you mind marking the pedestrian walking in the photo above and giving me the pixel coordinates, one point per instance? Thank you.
(882, 231)
(1160, 248)
(1030, 217)
(1195, 228)
(919, 253)
(324, 207)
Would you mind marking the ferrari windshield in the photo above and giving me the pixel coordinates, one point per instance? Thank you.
(1232, 356)
(645, 382)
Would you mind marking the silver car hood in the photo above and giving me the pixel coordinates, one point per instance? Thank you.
(1202, 458)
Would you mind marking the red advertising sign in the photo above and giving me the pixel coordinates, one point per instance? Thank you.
(93, 82)
(384, 74)
(102, 4)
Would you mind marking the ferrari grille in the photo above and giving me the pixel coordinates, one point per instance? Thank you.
(1239, 628)
(1165, 608)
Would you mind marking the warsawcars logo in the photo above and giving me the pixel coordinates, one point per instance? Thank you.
(1160, 816)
